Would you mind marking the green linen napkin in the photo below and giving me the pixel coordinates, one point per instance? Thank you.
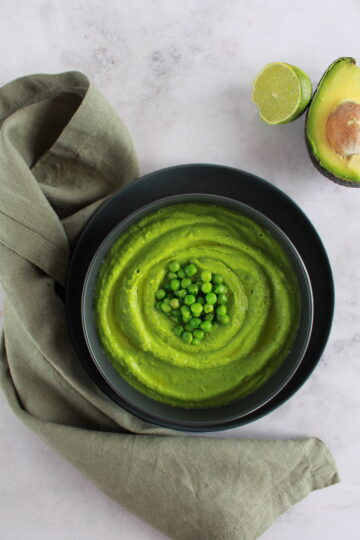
(62, 151)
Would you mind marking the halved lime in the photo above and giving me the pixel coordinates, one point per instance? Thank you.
(281, 92)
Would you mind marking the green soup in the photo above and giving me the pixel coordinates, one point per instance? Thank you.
(233, 360)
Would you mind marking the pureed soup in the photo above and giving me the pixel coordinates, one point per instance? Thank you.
(196, 305)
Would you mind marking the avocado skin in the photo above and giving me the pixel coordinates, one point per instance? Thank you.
(325, 172)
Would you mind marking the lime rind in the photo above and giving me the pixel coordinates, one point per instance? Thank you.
(306, 89)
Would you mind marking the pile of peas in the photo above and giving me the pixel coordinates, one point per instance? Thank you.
(195, 300)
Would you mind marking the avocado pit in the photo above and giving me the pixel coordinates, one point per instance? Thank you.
(343, 129)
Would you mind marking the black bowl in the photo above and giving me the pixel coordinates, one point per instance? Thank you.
(259, 195)
(206, 416)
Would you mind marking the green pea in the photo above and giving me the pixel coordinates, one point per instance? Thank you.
(220, 289)
(171, 275)
(185, 313)
(189, 299)
(221, 310)
(181, 293)
(181, 274)
(194, 322)
(217, 278)
(158, 305)
(178, 330)
(222, 299)
(175, 318)
(190, 269)
(199, 334)
(208, 308)
(199, 282)
(167, 300)
(206, 275)
(201, 300)
(193, 289)
(211, 298)
(206, 287)
(174, 284)
(195, 341)
(165, 307)
(174, 303)
(185, 283)
(160, 294)
(196, 308)
(174, 266)
(206, 326)
(209, 317)
(187, 337)
(224, 319)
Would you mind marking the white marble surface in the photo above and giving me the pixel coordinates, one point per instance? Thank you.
(179, 73)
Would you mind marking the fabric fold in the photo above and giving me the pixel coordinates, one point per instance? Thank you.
(63, 150)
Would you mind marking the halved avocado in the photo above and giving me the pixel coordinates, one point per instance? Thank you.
(333, 123)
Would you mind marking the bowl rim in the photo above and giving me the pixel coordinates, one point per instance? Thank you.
(249, 211)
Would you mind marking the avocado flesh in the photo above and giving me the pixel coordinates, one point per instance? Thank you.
(340, 83)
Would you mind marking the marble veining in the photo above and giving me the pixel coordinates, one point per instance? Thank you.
(179, 74)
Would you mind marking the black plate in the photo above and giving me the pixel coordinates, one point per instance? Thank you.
(219, 180)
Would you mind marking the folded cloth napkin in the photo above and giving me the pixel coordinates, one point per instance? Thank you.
(63, 150)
